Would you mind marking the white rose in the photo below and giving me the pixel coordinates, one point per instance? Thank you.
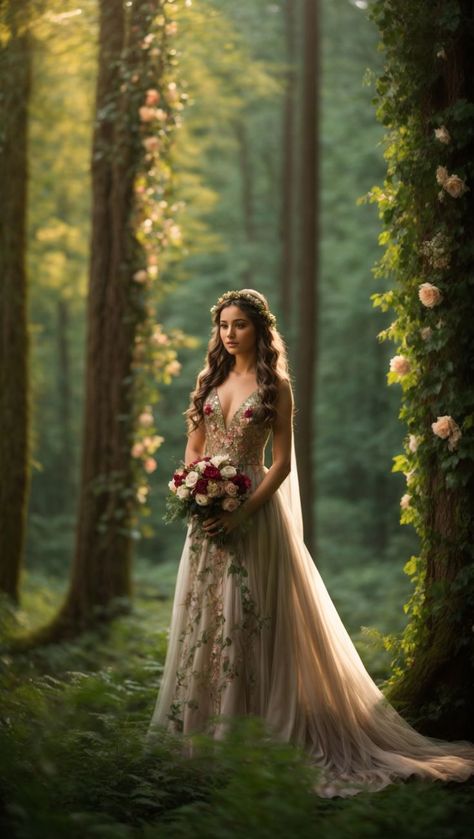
(228, 471)
(230, 504)
(172, 486)
(191, 479)
(448, 429)
(201, 465)
(218, 459)
(183, 492)
(400, 364)
(455, 186)
(442, 134)
(413, 443)
(213, 489)
(202, 500)
(429, 295)
(231, 489)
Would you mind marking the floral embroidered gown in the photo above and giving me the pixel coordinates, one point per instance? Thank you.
(254, 631)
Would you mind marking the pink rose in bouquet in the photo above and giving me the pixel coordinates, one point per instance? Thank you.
(206, 487)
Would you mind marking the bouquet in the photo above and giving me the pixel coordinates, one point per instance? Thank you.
(206, 487)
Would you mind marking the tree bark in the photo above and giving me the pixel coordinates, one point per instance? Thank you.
(14, 344)
(247, 199)
(288, 173)
(437, 689)
(100, 585)
(308, 286)
(64, 401)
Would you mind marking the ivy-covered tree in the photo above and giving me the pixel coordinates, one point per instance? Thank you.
(135, 112)
(15, 69)
(426, 101)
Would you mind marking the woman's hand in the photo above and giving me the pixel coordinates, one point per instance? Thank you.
(223, 523)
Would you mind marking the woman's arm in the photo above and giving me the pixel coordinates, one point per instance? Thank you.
(195, 445)
(280, 468)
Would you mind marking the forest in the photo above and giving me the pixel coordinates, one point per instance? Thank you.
(154, 154)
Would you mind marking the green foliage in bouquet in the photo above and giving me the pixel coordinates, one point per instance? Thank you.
(205, 488)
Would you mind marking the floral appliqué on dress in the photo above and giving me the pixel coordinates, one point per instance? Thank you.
(214, 653)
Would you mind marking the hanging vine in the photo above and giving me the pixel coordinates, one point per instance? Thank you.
(151, 86)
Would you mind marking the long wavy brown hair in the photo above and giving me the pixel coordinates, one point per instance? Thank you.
(272, 363)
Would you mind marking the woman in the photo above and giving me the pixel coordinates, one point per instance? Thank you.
(253, 628)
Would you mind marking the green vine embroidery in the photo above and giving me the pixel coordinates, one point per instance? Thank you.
(228, 652)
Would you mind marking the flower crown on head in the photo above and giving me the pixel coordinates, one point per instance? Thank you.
(254, 301)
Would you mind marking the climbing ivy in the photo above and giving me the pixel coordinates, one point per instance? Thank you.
(425, 99)
(157, 99)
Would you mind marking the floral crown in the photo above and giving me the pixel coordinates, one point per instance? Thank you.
(254, 301)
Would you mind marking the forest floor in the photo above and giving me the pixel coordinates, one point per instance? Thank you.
(73, 762)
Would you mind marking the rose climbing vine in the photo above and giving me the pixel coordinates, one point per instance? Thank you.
(158, 102)
(425, 100)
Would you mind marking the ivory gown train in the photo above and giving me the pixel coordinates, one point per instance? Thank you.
(254, 631)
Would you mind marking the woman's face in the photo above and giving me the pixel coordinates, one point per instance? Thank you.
(237, 332)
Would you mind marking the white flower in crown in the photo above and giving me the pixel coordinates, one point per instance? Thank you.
(254, 301)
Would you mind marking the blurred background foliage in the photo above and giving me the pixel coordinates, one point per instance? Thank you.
(227, 160)
(71, 749)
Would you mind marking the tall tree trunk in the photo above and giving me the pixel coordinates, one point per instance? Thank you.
(436, 687)
(64, 393)
(14, 343)
(308, 287)
(288, 172)
(101, 573)
(247, 199)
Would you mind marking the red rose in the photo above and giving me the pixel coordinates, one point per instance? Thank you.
(208, 409)
(201, 486)
(178, 479)
(248, 413)
(212, 472)
(242, 481)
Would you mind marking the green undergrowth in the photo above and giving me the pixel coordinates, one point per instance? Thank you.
(74, 761)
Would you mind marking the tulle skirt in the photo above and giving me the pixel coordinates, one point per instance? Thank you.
(254, 631)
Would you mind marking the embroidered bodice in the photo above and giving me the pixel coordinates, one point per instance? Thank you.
(244, 439)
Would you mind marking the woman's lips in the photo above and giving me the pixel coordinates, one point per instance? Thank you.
(230, 344)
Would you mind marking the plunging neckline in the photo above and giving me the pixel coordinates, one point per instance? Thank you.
(227, 427)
